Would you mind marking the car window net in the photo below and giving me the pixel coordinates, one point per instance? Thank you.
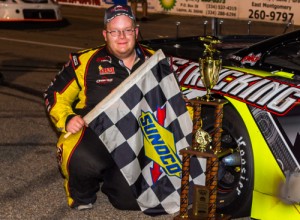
(286, 56)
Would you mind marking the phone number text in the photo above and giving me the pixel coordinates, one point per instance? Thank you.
(272, 15)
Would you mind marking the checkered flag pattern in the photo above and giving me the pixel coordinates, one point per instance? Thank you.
(117, 121)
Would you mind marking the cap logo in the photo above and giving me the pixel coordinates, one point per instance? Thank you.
(117, 10)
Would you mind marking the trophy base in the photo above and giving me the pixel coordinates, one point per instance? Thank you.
(191, 217)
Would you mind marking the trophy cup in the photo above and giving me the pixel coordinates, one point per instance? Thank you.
(210, 65)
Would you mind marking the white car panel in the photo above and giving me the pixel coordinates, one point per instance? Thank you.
(29, 10)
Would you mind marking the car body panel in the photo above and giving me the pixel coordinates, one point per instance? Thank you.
(267, 98)
(266, 204)
(263, 73)
(29, 10)
(239, 84)
(268, 207)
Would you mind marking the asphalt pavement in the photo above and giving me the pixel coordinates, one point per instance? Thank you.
(30, 184)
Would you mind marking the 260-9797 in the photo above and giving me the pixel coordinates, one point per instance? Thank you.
(272, 15)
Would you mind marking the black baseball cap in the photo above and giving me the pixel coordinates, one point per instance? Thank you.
(118, 10)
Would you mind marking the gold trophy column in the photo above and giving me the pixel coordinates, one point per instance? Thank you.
(212, 164)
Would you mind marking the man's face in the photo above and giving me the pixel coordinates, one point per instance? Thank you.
(122, 45)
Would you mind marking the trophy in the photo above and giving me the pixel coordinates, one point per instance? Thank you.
(210, 65)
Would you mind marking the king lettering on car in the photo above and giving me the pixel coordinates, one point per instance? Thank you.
(266, 93)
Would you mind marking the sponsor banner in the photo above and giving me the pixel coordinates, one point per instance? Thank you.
(153, 5)
(206, 8)
(275, 11)
(91, 3)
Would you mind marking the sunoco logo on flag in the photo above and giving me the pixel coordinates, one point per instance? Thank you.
(160, 145)
(144, 123)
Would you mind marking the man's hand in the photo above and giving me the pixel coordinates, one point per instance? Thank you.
(75, 124)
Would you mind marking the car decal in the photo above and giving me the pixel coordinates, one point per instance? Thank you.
(251, 59)
(264, 96)
(271, 95)
(243, 178)
(283, 150)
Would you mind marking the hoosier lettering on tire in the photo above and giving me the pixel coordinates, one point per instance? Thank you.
(236, 169)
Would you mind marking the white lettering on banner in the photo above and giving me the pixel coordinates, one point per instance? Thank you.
(82, 2)
(275, 11)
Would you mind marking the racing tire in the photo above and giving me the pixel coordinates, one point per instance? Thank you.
(235, 183)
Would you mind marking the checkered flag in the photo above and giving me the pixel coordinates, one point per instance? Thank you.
(144, 123)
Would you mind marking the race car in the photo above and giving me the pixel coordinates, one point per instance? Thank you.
(29, 10)
(260, 149)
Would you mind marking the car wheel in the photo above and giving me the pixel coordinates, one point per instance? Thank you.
(236, 168)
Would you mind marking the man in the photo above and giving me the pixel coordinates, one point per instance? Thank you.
(88, 77)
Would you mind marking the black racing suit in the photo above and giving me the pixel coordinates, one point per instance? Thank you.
(84, 161)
